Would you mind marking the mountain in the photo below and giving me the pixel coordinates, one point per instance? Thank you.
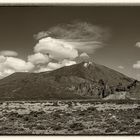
(134, 92)
(80, 81)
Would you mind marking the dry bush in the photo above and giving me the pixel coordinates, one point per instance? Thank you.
(77, 126)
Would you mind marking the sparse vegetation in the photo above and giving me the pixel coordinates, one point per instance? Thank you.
(70, 117)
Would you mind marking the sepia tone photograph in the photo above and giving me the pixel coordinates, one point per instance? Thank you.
(69, 70)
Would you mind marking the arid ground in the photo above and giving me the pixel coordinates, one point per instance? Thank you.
(69, 117)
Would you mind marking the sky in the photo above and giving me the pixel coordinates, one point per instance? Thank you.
(42, 38)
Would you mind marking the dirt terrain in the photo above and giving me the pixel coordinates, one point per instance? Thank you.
(70, 117)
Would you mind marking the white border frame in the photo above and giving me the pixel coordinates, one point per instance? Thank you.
(65, 3)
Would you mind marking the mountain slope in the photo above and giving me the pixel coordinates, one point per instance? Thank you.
(93, 72)
(77, 81)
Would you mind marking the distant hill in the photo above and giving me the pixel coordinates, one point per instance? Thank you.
(134, 92)
(79, 81)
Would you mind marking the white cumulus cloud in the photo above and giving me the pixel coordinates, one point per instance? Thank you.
(83, 36)
(17, 64)
(84, 55)
(65, 62)
(53, 66)
(138, 44)
(9, 65)
(38, 58)
(137, 65)
(8, 53)
(2, 59)
(56, 48)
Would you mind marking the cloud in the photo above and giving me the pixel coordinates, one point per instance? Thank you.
(9, 65)
(41, 35)
(8, 53)
(121, 67)
(138, 44)
(17, 64)
(53, 66)
(65, 62)
(83, 55)
(82, 36)
(6, 72)
(137, 65)
(79, 31)
(88, 47)
(57, 49)
(65, 43)
(42, 69)
(2, 59)
(38, 58)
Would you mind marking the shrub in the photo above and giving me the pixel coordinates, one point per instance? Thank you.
(82, 113)
(109, 130)
(138, 116)
(41, 127)
(36, 113)
(56, 114)
(57, 127)
(26, 118)
(91, 108)
(77, 126)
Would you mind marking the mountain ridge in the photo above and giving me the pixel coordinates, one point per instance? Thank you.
(79, 81)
